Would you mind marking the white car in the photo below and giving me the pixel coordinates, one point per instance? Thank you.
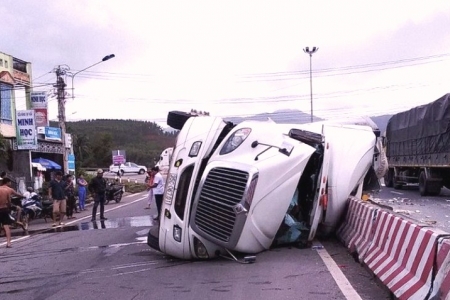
(127, 167)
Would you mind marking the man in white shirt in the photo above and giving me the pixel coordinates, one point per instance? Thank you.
(158, 190)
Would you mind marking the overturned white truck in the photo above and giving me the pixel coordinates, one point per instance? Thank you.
(246, 187)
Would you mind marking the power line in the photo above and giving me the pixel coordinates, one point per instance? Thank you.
(283, 76)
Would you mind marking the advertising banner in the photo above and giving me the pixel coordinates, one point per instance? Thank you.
(119, 157)
(26, 130)
(53, 133)
(38, 100)
(71, 162)
(41, 116)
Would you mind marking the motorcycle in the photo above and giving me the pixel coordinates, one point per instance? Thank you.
(35, 207)
(16, 203)
(114, 191)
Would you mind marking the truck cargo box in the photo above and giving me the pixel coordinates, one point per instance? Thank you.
(420, 136)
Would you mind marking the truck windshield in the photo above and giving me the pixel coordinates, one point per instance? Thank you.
(182, 191)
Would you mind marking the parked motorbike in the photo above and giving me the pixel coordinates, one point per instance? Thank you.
(16, 201)
(36, 207)
(114, 191)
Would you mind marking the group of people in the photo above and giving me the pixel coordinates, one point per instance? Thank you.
(62, 192)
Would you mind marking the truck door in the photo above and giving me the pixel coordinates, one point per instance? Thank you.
(321, 197)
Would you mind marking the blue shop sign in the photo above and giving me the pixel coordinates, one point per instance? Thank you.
(53, 133)
(71, 162)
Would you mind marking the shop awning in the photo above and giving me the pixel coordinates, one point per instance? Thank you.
(47, 163)
(38, 166)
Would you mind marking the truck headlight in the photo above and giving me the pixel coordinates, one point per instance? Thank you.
(195, 148)
(200, 249)
(170, 188)
(177, 233)
(235, 140)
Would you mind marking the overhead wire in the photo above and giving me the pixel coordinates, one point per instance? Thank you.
(354, 69)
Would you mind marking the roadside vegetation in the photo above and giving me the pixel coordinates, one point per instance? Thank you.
(94, 141)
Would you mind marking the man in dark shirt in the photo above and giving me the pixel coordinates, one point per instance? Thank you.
(57, 194)
(97, 186)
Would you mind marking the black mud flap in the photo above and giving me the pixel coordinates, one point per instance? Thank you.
(153, 238)
(371, 181)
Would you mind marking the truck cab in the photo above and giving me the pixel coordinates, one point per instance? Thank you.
(164, 160)
(233, 187)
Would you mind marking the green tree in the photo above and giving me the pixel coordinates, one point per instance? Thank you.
(81, 147)
(101, 150)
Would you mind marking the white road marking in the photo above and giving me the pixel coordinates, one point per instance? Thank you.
(339, 277)
(398, 193)
(83, 218)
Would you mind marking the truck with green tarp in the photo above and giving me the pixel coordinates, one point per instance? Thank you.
(417, 145)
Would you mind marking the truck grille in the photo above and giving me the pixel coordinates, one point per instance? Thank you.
(222, 190)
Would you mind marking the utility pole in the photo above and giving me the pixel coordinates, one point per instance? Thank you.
(61, 96)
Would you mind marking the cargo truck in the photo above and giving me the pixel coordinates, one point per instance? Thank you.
(244, 188)
(417, 145)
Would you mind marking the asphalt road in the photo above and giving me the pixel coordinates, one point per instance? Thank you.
(428, 210)
(111, 260)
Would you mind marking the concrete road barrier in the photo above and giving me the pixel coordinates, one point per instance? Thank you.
(412, 260)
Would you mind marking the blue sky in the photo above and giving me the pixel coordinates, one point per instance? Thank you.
(233, 57)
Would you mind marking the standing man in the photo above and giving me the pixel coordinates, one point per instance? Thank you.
(97, 187)
(57, 194)
(69, 190)
(158, 190)
(5, 203)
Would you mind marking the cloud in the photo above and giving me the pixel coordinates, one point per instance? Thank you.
(228, 56)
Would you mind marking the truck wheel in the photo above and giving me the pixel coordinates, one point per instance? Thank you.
(176, 119)
(397, 185)
(153, 238)
(434, 190)
(423, 186)
(389, 178)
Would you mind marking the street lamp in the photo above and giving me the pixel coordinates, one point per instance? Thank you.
(107, 57)
(62, 108)
(311, 52)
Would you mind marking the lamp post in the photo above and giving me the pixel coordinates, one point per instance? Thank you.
(107, 57)
(311, 52)
(62, 112)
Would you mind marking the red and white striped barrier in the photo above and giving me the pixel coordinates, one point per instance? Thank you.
(356, 232)
(441, 282)
(402, 254)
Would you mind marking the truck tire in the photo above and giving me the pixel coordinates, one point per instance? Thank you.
(389, 178)
(176, 119)
(397, 185)
(434, 190)
(423, 186)
(153, 238)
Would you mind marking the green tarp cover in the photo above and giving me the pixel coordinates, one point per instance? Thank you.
(422, 130)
